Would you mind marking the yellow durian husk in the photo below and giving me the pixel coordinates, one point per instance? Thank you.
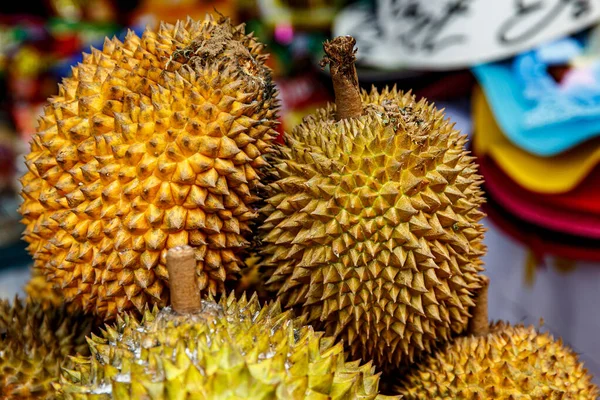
(509, 362)
(233, 349)
(35, 340)
(373, 227)
(154, 142)
(39, 290)
(252, 279)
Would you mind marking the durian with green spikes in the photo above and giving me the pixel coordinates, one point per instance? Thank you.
(35, 340)
(233, 349)
(373, 227)
(154, 142)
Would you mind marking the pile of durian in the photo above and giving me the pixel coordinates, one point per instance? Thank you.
(179, 253)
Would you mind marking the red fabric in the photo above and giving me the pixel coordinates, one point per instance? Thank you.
(541, 241)
(584, 198)
(536, 208)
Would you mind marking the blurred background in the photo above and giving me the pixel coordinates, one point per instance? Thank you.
(523, 81)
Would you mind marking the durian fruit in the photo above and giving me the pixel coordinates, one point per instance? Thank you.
(39, 290)
(154, 142)
(252, 279)
(35, 340)
(373, 227)
(499, 361)
(509, 362)
(233, 349)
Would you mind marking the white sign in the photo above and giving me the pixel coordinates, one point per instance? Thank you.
(447, 34)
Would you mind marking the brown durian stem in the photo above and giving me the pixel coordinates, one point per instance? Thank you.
(185, 295)
(479, 324)
(340, 55)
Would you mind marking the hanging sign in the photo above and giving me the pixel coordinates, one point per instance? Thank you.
(448, 34)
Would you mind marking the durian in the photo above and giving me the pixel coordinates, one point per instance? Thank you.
(35, 340)
(39, 290)
(373, 228)
(252, 279)
(509, 362)
(154, 142)
(233, 349)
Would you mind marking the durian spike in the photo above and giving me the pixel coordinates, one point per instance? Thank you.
(340, 55)
(185, 294)
(479, 324)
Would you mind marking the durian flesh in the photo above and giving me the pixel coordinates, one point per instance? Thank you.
(507, 363)
(230, 350)
(35, 339)
(373, 228)
(153, 143)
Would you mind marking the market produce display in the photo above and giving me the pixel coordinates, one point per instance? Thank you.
(180, 252)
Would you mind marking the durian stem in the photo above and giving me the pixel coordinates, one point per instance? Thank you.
(479, 323)
(185, 295)
(340, 55)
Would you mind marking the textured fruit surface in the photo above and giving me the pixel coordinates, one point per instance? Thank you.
(507, 363)
(252, 279)
(230, 350)
(153, 143)
(34, 341)
(373, 228)
(39, 290)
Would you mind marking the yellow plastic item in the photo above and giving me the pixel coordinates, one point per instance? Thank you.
(557, 174)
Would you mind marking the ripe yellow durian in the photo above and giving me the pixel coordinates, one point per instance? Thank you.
(373, 227)
(154, 142)
(38, 289)
(508, 362)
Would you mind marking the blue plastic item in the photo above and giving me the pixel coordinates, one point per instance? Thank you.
(535, 112)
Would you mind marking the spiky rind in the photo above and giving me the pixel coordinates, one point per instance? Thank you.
(252, 279)
(510, 362)
(35, 340)
(373, 228)
(230, 350)
(39, 290)
(154, 142)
